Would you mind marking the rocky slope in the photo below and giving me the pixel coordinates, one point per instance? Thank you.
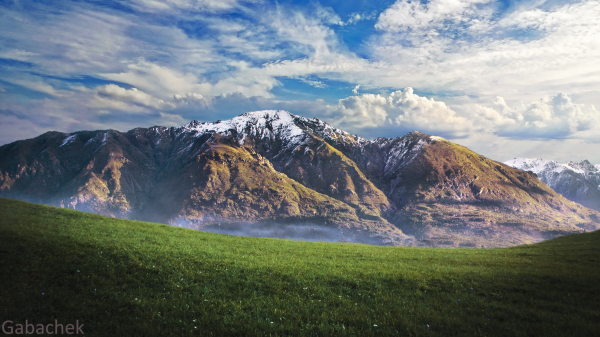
(578, 182)
(272, 169)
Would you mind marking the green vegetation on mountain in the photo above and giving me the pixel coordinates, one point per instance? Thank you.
(239, 185)
(325, 169)
(129, 278)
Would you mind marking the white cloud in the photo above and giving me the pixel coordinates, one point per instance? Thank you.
(403, 109)
(309, 34)
(411, 14)
(501, 148)
(155, 78)
(523, 55)
(553, 117)
(132, 96)
(36, 85)
(191, 98)
(327, 15)
(16, 54)
(367, 110)
(356, 17)
(186, 5)
(316, 84)
(423, 113)
(355, 90)
(550, 117)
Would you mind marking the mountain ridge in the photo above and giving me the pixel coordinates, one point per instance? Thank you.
(201, 175)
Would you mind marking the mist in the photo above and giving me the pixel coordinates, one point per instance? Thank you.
(291, 231)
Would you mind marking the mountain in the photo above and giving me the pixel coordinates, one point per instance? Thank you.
(578, 182)
(278, 173)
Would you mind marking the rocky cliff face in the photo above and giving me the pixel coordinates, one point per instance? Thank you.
(578, 182)
(272, 168)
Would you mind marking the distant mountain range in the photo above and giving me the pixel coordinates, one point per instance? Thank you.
(278, 173)
(579, 182)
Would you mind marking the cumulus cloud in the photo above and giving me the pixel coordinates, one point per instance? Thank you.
(367, 110)
(191, 98)
(401, 108)
(550, 117)
(425, 113)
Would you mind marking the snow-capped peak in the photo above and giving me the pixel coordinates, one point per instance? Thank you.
(273, 123)
(264, 124)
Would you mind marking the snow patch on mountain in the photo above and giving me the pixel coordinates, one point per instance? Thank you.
(67, 140)
(402, 151)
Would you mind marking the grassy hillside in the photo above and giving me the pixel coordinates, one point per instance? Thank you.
(128, 278)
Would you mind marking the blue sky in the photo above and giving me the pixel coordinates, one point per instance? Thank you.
(505, 78)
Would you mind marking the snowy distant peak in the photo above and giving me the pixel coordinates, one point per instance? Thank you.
(543, 166)
(579, 182)
(536, 165)
(583, 167)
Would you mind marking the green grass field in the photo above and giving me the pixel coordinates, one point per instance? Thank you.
(129, 278)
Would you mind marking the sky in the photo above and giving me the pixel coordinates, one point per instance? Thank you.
(507, 78)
